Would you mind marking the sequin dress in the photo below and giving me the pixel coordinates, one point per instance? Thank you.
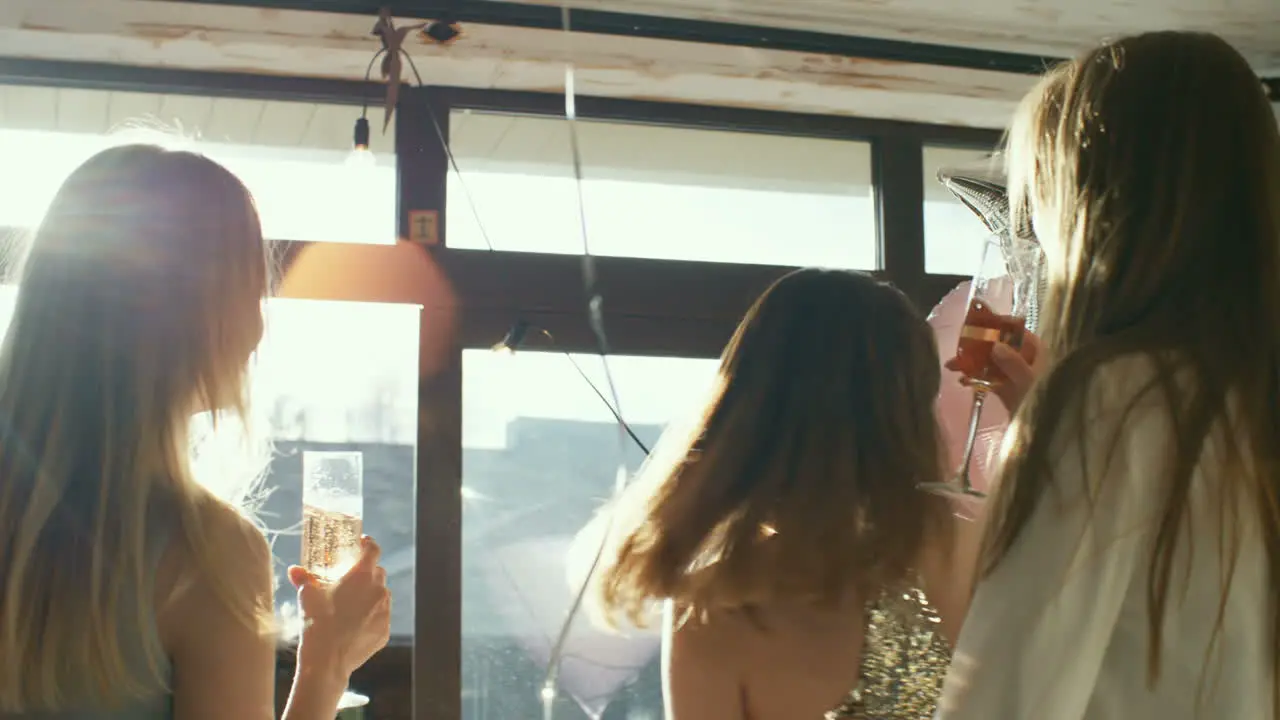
(904, 660)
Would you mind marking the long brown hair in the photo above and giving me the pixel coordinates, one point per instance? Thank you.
(1152, 168)
(798, 481)
(139, 304)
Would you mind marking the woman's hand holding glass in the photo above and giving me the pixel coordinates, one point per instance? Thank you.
(1002, 298)
(346, 622)
(1018, 368)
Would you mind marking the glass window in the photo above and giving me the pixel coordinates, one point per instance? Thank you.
(294, 157)
(343, 376)
(540, 456)
(329, 376)
(952, 232)
(661, 192)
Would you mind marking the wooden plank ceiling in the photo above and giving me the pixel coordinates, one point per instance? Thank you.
(1040, 27)
(245, 39)
(234, 38)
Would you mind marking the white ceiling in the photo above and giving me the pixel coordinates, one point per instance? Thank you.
(228, 38)
(1044, 27)
(241, 39)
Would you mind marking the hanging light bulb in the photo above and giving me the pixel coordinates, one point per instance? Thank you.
(360, 155)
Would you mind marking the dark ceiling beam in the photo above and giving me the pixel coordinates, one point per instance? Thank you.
(126, 78)
(732, 119)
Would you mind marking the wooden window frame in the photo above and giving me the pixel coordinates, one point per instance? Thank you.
(695, 313)
(693, 316)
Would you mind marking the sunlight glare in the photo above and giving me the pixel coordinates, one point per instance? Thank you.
(301, 194)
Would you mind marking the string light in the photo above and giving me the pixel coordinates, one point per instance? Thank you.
(360, 155)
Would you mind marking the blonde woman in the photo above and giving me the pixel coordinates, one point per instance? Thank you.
(126, 590)
(805, 575)
(1130, 571)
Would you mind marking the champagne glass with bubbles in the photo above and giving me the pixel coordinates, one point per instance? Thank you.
(332, 523)
(332, 512)
(1002, 301)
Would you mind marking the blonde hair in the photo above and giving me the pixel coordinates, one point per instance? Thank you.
(1154, 164)
(139, 304)
(798, 482)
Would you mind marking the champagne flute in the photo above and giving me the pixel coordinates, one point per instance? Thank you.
(332, 523)
(1001, 298)
(332, 512)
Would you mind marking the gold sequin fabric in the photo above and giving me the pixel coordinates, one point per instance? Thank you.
(904, 660)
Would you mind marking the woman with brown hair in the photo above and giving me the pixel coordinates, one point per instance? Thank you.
(128, 591)
(806, 574)
(1130, 570)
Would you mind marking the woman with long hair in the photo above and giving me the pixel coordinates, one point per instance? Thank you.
(806, 575)
(1130, 566)
(127, 590)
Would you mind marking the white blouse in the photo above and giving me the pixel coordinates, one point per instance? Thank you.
(1059, 631)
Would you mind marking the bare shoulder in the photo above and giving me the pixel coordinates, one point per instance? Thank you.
(703, 668)
(721, 637)
(217, 625)
(741, 640)
(241, 549)
(231, 565)
(239, 541)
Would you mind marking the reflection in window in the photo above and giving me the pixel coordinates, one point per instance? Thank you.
(952, 232)
(329, 376)
(540, 455)
(662, 192)
(292, 156)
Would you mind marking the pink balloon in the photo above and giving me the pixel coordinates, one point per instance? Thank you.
(528, 580)
(955, 401)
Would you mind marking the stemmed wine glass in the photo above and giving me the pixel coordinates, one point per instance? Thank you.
(1001, 299)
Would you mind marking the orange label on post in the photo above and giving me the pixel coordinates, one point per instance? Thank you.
(424, 227)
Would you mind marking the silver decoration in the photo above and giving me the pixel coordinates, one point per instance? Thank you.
(983, 188)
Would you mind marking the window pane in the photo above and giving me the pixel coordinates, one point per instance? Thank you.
(952, 232)
(343, 376)
(661, 192)
(329, 376)
(540, 457)
(294, 157)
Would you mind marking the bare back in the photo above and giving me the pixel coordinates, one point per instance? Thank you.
(801, 662)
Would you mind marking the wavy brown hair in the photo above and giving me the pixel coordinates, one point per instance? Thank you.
(1152, 168)
(798, 481)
